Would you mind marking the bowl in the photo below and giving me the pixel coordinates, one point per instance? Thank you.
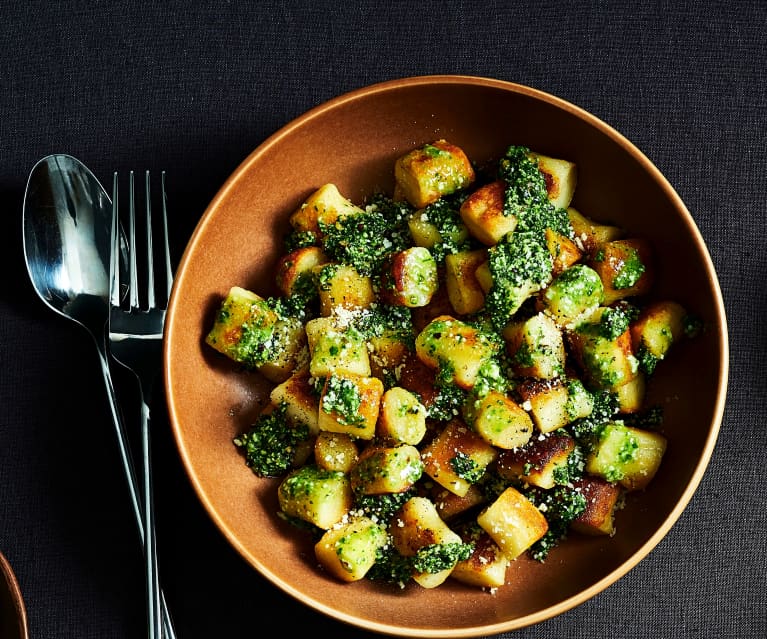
(13, 613)
(353, 141)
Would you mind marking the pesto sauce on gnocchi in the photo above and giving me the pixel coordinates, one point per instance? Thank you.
(466, 438)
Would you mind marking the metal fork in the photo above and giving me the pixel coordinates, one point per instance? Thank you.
(135, 338)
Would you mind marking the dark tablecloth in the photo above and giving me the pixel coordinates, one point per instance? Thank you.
(192, 88)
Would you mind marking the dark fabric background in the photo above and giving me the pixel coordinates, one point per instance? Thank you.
(192, 88)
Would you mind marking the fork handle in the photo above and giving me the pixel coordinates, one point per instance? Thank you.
(130, 475)
(150, 552)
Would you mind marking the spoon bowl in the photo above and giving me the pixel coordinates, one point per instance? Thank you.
(67, 217)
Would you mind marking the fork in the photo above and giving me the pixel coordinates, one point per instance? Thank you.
(136, 324)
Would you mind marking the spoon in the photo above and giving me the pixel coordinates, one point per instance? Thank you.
(67, 221)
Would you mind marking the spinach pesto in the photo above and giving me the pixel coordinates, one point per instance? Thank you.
(458, 370)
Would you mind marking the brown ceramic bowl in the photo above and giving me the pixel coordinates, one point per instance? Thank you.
(13, 613)
(353, 141)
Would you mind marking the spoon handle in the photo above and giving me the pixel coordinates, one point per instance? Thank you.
(133, 489)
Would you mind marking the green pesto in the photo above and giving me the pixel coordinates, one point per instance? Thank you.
(430, 337)
(520, 258)
(445, 370)
(527, 468)
(391, 567)
(466, 468)
(342, 397)
(400, 464)
(561, 475)
(492, 484)
(445, 215)
(490, 377)
(617, 436)
(615, 321)
(301, 304)
(424, 274)
(382, 507)
(270, 445)
(359, 547)
(300, 239)
(364, 240)
(571, 471)
(520, 264)
(433, 151)
(614, 473)
(574, 291)
(537, 350)
(257, 343)
(379, 318)
(324, 278)
(526, 196)
(647, 361)
(587, 431)
(523, 357)
(577, 396)
(310, 480)
(599, 356)
(629, 448)
(560, 506)
(435, 558)
(448, 401)
(630, 271)
(308, 492)
(601, 366)
(332, 344)
(408, 408)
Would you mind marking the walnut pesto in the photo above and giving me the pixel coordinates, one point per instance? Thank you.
(459, 368)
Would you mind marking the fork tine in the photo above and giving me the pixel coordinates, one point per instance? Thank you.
(133, 266)
(166, 240)
(149, 247)
(114, 262)
(122, 254)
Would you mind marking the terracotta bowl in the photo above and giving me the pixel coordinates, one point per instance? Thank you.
(13, 613)
(353, 141)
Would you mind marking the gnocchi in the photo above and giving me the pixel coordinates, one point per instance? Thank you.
(459, 369)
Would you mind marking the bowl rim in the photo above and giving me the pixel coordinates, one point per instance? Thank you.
(12, 589)
(719, 312)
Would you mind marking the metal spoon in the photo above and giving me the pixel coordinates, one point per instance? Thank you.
(67, 225)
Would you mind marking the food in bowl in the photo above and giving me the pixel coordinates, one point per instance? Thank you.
(458, 369)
